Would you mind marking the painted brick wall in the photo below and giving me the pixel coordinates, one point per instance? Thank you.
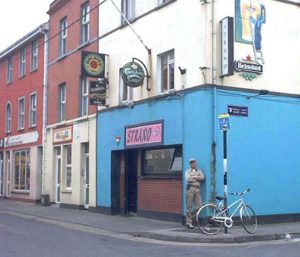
(160, 195)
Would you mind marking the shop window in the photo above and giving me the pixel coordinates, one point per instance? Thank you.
(166, 71)
(165, 161)
(63, 37)
(85, 23)
(34, 56)
(68, 167)
(128, 9)
(22, 63)
(22, 170)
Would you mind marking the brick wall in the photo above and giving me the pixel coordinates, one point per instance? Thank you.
(163, 195)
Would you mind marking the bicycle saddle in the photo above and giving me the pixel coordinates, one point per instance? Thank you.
(220, 198)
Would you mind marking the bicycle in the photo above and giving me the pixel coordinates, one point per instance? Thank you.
(211, 217)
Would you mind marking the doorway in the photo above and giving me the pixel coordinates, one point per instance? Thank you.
(7, 171)
(86, 174)
(57, 174)
(1, 174)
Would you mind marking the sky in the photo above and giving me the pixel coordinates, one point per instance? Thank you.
(28, 14)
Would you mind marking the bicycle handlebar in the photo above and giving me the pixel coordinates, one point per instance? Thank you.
(241, 194)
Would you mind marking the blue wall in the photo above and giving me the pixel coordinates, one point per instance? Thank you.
(262, 148)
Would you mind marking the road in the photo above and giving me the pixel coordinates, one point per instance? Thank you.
(28, 237)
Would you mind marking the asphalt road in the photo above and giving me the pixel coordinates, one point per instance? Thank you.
(34, 238)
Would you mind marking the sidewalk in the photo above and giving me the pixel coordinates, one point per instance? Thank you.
(148, 228)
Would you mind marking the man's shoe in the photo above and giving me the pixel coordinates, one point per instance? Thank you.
(189, 225)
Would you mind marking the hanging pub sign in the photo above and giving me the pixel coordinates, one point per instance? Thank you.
(227, 47)
(98, 92)
(92, 65)
(133, 74)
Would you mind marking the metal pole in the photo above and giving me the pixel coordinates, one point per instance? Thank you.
(225, 171)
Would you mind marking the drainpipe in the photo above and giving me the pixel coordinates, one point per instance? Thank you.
(44, 30)
(214, 104)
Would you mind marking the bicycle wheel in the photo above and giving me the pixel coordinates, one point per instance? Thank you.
(205, 219)
(248, 219)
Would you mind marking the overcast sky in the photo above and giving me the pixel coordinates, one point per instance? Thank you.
(27, 15)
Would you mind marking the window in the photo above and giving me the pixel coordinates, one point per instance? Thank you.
(128, 7)
(9, 70)
(63, 37)
(22, 170)
(68, 167)
(62, 102)
(166, 161)
(32, 110)
(166, 71)
(34, 56)
(85, 23)
(8, 118)
(21, 117)
(84, 97)
(162, 1)
(22, 63)
(126, 92)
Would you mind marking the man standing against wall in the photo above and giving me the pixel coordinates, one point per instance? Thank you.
(193, 178)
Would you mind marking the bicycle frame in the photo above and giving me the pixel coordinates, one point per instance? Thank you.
(223, 214)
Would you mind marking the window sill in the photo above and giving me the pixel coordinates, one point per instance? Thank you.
(21, 192)
(160, 176)
(60, 58)
(31, 71)
(21, 129)
(83, 45)
(22, 76)
(8, 83)
(32, 126)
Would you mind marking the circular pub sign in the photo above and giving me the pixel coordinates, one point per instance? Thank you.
(133, 74)
(93, 64)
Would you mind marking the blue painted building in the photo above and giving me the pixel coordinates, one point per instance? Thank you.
(262, 152)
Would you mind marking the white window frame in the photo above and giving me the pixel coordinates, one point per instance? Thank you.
(63, 26)
(8, 120)
(170, 61)
(122, 98)
(21, 113)
(85, 23)
(62, 102)
(34, 56)
(32, 110)
(67, 166)
(84, 97)
(9, 70)
(22, 63)
(128, 9)
(27, 161)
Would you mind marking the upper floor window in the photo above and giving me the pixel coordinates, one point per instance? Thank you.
(85, 23)
(62, 102)
(8, 118)
(63, 37)
(9, 70)
(34, 56)
(84, 96)
(32, 110)
(21, 118)
(126, 92)
(128, 9)
(166, 71)
(22, 63)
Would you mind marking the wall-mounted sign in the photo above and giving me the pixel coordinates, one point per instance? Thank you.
(147, 134)
(63, 135)
(224, 121)
(234, 110)
(248, 67)
(98, 92)
(133, 74)
(22, 139)
(92, 65)
(227, 47)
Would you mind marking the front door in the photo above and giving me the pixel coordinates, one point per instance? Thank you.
(58, 175)
(131, 181)
(1, 174)
(7, 168)
(86, 169)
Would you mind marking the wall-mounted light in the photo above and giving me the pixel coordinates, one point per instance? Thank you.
(182, 71)
(118, 139)
(261, 92)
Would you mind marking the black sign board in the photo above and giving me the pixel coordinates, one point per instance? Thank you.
(233, 110)
(98, 92)
(248, 67)
(92, 65)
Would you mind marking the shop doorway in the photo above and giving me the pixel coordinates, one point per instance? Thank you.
(57, 174)
(86, 173)
(1, 174)
(131, 188)
(7, 171)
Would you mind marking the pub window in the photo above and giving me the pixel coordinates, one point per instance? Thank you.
(126, 92)
(164, 161)
(166, 71)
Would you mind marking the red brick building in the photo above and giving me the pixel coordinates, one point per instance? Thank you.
(70, 147)
(21, 114)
